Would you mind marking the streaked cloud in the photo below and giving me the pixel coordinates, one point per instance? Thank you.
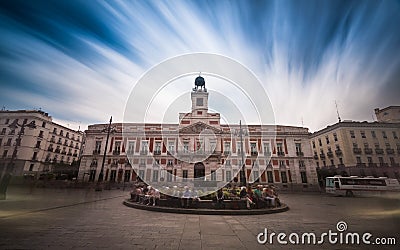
(78, 60)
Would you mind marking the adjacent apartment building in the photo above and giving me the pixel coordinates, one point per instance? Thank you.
(34, 144)
(199, 146)
(359, 148)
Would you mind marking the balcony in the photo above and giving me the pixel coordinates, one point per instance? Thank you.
(226, 153)
(315, 157)
(338, 152)
(372, 165)
(322, 156)
(144, 152)
(267, 153)
(64, 152)
(57, 150)
(93, 164)
(116, 152)
(59, 142)
(254, 153)
(52, 140)
(96, 151)
(379, 151)
(389, 151)
(299, 153)
(76, 147)
(65, 144)
(7, 144)
(368, 151)
(34, 158)
(357, 150)
(76, 155)
(157, 152)
(329, 154)
(280, 153)
(50, 149)
(70, 154)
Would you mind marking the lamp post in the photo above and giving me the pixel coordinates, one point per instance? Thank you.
(101, 175)
(6, 174)
(242, 173)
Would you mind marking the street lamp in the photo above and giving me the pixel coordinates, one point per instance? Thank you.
(242, 173)
(101, 175)
(6, 174)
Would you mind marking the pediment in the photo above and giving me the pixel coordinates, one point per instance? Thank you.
(197, 128)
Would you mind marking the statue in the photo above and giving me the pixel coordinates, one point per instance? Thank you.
(199, 82)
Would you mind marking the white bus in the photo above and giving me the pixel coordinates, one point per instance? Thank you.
(353, 185)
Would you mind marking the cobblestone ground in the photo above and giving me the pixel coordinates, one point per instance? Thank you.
(85, 219)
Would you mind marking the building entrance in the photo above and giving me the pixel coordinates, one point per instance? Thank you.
(199, 170)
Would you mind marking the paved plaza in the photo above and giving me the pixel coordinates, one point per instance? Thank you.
(85, 219)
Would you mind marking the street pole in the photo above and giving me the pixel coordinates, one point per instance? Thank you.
(101, 175)
(6, 174)
(242, 169)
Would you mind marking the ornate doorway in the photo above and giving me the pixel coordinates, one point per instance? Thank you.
(199, 170)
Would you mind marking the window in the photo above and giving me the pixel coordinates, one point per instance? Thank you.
(303, 175)
(256, 176)
(283, 177)
(298, 148)
(117, 147)
(41, 134)
(34, 156)
(31, 167)
(341, 161)
(171, 147)
(144, 146)
(5, 153)
(199, 102)
(8, 142)
(43, 124)
(392, 161)
(387, 145)
(185, 175)
(377, 145)
(131, 147)
(157, 147)
(358, 159)
(3, 131)
(373, 134)
(319, 142)
(313, 144)
(335, 137)
(169, 175)
(267, 148)
(369, 160)
(228, 162)
(239, 147)
(363, 134)
(352, 134)
(327, 139)
(61, 133)
(279, 148)
(155, 175)
(170, 162)
(381, 160)
(228, 175)
(270, 177)
(185, 146)
(7, 121)
(98, 147)
(332, 162)
(394, 135)
(141, 174)
(37, 144)
(25, 121)
(227, 147)
(253, 147)
(213, 175)
(366, 145)
(213, 145)
(281, 163)
(384, 135)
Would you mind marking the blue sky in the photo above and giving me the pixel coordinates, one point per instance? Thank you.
(78, 60)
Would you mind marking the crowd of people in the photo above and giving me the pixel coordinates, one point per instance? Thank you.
(255, 197)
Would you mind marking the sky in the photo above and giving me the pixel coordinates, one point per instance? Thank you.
(78, 60)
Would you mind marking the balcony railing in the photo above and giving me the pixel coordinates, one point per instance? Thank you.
(75, 155)
(357, 150)
(329, 154)
(322, 156)
(157, 152)
(368, 151)
(338, 152)
(227, 152)
(50, 149)
(280, 153)
(144, 152)
(7, 144)
(315, 157)
(96, 152)
(299, 153)
(254, 153)
(57, 150)
(63, 152)
(389, 151)
(116, 152)
(379, 151)
(59, 142)
(76, 147)
(70, 154)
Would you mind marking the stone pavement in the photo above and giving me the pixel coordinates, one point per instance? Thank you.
(85, 219)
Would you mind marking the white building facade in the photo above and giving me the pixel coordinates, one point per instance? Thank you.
(34, 143)
(199, 146)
